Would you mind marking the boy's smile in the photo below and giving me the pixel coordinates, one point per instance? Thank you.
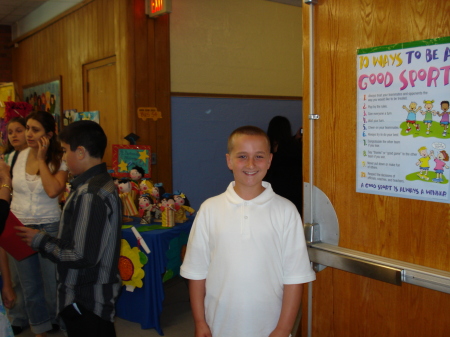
(249, 160)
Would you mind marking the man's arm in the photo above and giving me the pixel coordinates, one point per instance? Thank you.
(292, 298)
(197, 291)
(89, 224)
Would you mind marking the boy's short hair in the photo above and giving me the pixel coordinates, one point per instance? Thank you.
(248, 130)
(85, 133)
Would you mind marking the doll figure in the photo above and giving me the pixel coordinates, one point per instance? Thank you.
(128, 200)
(184, 207)
(146, 186)
(168, 209)
(145, 205)
(136, 174)
(156, 192)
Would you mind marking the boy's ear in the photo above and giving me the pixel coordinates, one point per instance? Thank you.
(81, 152)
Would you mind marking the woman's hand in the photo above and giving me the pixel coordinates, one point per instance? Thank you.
(43, 144)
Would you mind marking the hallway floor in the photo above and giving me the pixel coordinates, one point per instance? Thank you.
(176, 318)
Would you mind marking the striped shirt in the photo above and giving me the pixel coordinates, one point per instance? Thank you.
(87, 247)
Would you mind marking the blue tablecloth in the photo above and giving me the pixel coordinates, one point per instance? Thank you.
(144, 305)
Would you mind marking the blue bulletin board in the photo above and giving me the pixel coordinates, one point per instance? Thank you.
(125, 157)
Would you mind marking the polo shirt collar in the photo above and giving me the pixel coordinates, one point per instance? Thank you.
(261, 199)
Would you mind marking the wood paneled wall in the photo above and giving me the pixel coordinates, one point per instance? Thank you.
(97, 30)
(409, 230)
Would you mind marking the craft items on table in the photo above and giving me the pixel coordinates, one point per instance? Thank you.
(145, 186)
(156, 193)
(168, 209)
(128, 197)
(131, 262)
(184, 207)
(140, 240)
(145, 207)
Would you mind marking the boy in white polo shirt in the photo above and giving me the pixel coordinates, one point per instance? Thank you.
(246, 258)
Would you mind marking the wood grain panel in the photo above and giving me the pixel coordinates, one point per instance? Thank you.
(409, 230)
(95, 31)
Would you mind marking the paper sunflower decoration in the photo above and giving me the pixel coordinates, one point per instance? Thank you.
(131, 262)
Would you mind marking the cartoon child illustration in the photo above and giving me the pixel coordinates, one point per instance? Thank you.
(423, 163)
(445, 114)
(411, 118)
(442, 157)
(428, 120)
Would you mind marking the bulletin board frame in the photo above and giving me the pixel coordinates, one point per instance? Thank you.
(125, 157)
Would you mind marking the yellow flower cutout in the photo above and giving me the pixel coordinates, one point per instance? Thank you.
(130, 266)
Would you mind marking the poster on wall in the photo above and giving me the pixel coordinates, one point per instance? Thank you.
(45, 96)
(403, 135)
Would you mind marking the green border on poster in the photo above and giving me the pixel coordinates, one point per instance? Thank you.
(404, 45)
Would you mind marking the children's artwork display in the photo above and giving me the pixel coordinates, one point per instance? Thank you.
(69, 116)
(45, 96)
(130, 157)
(87, 116)
(403, 141)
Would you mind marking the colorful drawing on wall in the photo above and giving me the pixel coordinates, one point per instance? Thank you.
(125, 157)
(45, 96)
(69, 116)
(88, 115)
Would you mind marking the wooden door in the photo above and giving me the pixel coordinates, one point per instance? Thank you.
(413, 231)
(100, 93)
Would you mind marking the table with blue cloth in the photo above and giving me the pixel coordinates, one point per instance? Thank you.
(144, 305)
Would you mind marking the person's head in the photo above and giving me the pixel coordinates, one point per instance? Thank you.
(443, 155)
(249, 158)
(84, 143)
(17, 140)
(42, 124)
(279, 131)
(428, 104)
(444, 105)
(423, 151)
(413, 105)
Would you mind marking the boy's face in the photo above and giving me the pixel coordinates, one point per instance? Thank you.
(71, 159)
(249, 160)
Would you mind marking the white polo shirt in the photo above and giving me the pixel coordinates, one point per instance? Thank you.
(246, 250)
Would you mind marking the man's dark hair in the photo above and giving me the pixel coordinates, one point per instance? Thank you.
(88, 134)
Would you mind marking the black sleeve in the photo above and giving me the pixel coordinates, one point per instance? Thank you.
(4, 211)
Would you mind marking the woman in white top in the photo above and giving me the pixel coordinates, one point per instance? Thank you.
(17, 142)
(39, 177)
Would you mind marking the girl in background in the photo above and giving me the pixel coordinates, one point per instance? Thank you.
(17, 142)
(39, 177)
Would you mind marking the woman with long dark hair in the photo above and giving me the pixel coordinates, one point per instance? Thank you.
(39, 177)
